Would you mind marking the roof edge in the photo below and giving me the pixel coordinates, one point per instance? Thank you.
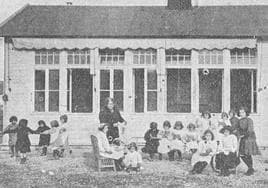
(13, 15)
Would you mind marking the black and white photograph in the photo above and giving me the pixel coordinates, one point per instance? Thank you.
(133, 93)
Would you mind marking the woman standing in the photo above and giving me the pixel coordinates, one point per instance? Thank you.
(111, 116)
(248, 145)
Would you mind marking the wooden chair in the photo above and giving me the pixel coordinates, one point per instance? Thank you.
(101, 162)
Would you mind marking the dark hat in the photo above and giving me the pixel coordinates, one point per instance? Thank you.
(226, 127)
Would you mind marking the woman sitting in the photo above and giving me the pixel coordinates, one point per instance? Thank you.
(206, 149)
(227, 158)
(177, 144)
(108, 151)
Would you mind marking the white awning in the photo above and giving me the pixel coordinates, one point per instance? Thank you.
(79, 43)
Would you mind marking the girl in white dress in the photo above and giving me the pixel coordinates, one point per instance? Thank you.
(177, 144)
(191, 138)
(224, 121)
(166, 138)
(133, 159)
(204, 123)
(206, 150)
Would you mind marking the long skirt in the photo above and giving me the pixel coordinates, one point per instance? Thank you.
(227, 161)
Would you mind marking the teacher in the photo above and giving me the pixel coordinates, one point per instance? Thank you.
(110, 115)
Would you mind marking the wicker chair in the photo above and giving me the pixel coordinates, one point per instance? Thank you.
(101, 162)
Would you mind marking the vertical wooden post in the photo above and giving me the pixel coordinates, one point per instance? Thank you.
(128, 83)
(194, 83)
(226, 97)
(63, 82)
(161, 81)
(96, 79)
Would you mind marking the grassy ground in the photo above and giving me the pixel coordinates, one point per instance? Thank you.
(78, 171)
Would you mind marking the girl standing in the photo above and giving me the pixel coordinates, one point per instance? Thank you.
(12, 136)
(206, 149)
(44, 139)
(248, 145)
(234, 122)
(23, 142)
(151, 140)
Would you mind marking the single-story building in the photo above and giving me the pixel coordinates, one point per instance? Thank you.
(157, 62)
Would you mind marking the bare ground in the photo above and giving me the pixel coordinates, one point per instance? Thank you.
(78, 171)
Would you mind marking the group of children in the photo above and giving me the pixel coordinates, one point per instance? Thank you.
(226, 140)
(56, 137)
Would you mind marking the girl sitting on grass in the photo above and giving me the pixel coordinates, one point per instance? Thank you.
(133, 159)
(177, 144)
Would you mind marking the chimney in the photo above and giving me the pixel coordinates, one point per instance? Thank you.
(180, 4)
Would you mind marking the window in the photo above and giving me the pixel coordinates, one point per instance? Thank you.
(210, 90)
(112, 85)
(179, 90)
(47, 57)
(79, 91)
(178, 57)
(244, 89)
(246, 56)
(210, 57)
(78, 57)
(112, 57)
(46, 90)
(145, 90)
(144, 57)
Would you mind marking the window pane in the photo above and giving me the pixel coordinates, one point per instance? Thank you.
(103, 96)
(37, 59)
(40, 79)
(119, 99)
(50, 58)
(53, 101)
(88, 58)
(201, 59)
(82, 90)
(1, 87)
(53, 79)
(118, 79)
(44, 58)
(241, 89)
(70, 59)
(83, 58)
(136, 59)
(139, 90)
(152, 101)
(56, 58)
(76, 58)
(152, 79)
(142, 59)
(148, 59)
(210, 91)
(178, 90)
(39, 101)
(105, 79)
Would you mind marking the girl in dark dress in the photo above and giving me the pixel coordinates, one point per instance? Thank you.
(234, 122)
(248, 145)
(152, 142)
(23, 142)
(111, 115)
(44, 139)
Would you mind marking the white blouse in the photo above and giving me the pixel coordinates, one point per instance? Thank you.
(133, 159)
(228, 144)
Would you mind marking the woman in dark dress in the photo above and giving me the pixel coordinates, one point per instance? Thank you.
(248, 145)
(23, 142)
(111, 115)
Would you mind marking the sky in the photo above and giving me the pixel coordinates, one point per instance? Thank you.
(9, 7)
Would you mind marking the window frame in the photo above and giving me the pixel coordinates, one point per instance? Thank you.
(145, 107)
(47, 90)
